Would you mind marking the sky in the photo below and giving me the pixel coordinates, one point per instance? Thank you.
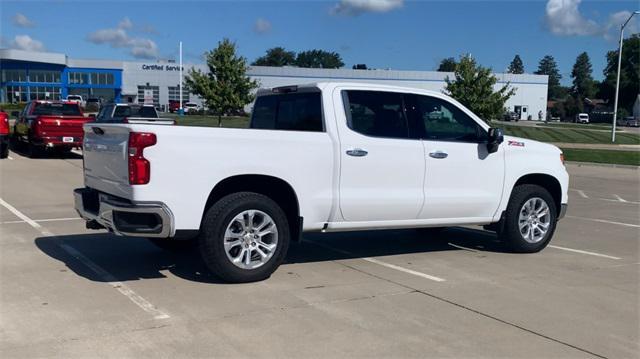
(396, 34)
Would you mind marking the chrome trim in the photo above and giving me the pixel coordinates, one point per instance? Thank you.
(108, 204)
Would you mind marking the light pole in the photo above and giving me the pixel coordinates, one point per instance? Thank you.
(615, 104)
(180, 109)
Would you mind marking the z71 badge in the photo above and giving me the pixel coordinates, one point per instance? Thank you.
(516, 143)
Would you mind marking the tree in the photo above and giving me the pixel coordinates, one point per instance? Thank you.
(516, 66)
(447, 65)
(583, 83)
(549, 67)
(473, 86)
(629, 74)
(319, 59)
(225, 88)
(276, 56)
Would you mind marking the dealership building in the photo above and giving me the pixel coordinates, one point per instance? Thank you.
(43, 75)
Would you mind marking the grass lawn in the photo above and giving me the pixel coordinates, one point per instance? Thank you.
(569, 135)
(208, 121)
(602, 156)
(590, 126)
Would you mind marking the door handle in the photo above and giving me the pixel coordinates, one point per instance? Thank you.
(357, 152)
(438, 154)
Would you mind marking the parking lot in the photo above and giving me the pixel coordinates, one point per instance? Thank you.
(71, 292)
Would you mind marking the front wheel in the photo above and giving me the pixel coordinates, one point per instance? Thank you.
(244, 237)
(530, 219)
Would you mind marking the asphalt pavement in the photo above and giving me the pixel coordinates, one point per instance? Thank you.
(69, 292)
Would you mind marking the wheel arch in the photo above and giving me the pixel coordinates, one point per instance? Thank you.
(275, 188)
(546, 181)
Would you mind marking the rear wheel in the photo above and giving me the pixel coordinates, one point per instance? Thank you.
(244, 237)
(4, 150)
(530, 219)
(34, 151)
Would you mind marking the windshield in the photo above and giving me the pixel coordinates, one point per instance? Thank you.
(57, 109)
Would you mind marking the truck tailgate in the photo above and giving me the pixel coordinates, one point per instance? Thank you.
(61, 126)
(106, 159)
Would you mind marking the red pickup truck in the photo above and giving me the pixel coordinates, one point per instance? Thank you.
(4, 135)
(50, 125)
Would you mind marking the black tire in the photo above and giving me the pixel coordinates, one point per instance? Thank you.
(4, 150)
(510, 233)
(34, 151)
(173, 245)
(214, 225)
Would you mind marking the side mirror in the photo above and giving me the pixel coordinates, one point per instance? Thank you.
(15, 114)
(495, 138)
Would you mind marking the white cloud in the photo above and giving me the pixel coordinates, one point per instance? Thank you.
(564, 18)
(125, 24)
(26, 43)
(357, 7)
(118, 38)
(21, 20)
(262, 26)
(612, 28)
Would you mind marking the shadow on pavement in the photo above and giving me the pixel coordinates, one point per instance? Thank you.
(22, 150)
(130, 258)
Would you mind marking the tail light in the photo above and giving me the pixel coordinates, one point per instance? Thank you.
(4, 125)
(125, 120)
(562, 158)
(139, 167)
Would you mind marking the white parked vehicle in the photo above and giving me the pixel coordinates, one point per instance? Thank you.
(323, 157)
(77, 99)
(582, 118)
(191, 107)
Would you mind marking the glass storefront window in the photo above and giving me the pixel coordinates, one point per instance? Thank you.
(44, 76)
(14, 75)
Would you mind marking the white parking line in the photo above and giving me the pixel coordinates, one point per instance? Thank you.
(605, 221)
(384, 264)
(9, 157)
(119, 286)
(77, 152)
(46, 220)
(581, 193)
(620, 198)
(584, 252)
(106, 276)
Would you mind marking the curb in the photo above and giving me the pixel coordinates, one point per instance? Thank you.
(609, 165)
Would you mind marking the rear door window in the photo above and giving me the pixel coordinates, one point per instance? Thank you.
(376, 113)
(293, 112)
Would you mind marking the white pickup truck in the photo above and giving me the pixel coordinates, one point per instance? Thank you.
(322, 157)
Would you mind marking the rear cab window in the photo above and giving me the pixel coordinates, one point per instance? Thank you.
(56, 109)
(135, 111)
(294, 111)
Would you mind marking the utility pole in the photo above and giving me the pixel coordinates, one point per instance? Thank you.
(180, 110)
(615, 104)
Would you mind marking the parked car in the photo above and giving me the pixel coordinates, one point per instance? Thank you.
(511, 116)
(127, 113)
(46, 125)
(191, 107)
(582, 118)
(4, 135)
(77, 99)
(341, 157)
(174, 106)
(629, 122)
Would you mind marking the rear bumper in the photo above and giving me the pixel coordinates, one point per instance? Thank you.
(57, 141)
(123, 217)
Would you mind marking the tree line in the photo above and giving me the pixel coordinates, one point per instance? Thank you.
(570, 99)
(226, 88)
